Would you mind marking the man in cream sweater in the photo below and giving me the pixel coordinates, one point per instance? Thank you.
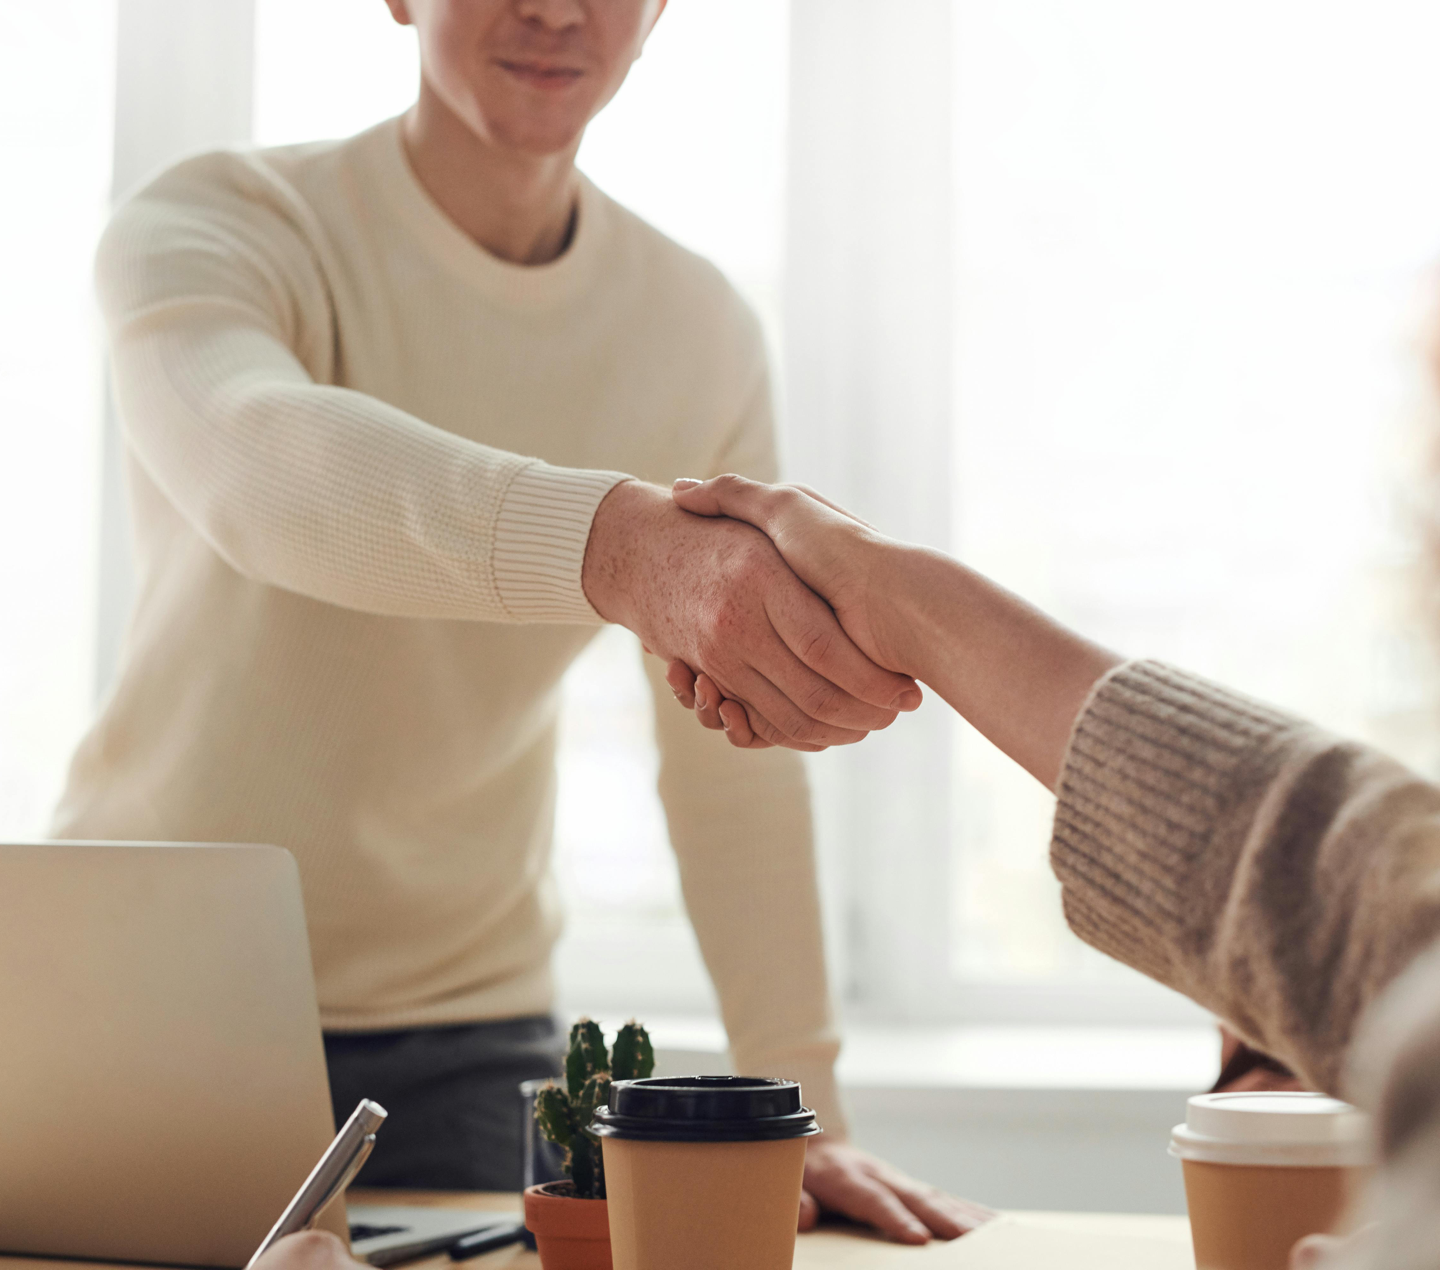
(386, 402)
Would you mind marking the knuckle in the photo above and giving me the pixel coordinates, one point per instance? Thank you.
(766, 730)
(711, 643)
(820, 700)
(803, 728)
(752, 559)
(815, 645)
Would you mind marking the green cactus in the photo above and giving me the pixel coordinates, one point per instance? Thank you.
(564, 1113)
(634, 1056)
(587, 1055)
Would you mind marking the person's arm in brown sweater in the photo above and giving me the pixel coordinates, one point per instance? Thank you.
(1278, 875)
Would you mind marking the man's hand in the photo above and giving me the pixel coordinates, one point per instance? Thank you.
(840, 1178)
(831, 551)
(716, 595)
(835, 553)
(308, 1250)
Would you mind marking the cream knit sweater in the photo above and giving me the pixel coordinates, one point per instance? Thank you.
(364, 456)
(1286, 879)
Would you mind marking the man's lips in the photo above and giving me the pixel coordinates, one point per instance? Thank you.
(541, 74)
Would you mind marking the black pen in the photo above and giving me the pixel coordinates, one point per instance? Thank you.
(487, 1241)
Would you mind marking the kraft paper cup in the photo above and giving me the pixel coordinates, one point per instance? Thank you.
(1262, 1170)
(704, 1172)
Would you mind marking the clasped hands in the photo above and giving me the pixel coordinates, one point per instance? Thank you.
(755, 595)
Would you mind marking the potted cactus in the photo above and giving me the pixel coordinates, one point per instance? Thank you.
(569, 1219)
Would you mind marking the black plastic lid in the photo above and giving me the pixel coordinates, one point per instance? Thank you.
(705, 1109)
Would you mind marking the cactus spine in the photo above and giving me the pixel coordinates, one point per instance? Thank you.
(564, 1112)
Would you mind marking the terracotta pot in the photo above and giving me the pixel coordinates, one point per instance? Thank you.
(570, 1233)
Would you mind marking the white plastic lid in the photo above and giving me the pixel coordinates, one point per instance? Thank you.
(1284, 1129)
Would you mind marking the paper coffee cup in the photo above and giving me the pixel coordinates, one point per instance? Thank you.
(704, 1172)
(1263, 1170)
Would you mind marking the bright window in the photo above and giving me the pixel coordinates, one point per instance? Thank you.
(56, 78)
(1187, 247)
(1190, 242)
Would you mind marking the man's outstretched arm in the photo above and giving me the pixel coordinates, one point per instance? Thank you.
(224, 356)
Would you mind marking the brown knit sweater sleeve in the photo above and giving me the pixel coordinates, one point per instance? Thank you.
(1274, 873)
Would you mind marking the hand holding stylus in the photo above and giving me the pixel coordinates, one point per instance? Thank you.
(335, 1171)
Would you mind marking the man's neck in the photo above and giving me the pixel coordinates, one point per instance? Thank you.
(520, 207)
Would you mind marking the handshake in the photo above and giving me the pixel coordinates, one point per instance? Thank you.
(763, 600)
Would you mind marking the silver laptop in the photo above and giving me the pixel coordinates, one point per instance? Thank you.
(163, 1091)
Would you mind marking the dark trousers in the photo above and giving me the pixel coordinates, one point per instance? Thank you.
(453, 1098)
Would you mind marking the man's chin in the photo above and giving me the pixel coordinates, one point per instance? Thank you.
(539, 129)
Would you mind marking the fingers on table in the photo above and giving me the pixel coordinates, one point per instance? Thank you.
(944, 1216)
(809, 1212)
(864, 1198)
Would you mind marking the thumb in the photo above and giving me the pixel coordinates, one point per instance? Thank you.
(729, 495)
(696, 496)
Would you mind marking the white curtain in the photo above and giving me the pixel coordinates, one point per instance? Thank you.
(867, 374)
(184, 79)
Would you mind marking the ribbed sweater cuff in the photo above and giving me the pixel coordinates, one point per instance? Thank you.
(540, 536)
(1156, 762)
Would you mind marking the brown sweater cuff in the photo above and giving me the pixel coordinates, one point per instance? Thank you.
(1157, 761)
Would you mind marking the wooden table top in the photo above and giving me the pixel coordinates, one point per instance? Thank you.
(1079, 1241)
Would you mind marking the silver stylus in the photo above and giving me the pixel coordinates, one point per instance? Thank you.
(339, 1164)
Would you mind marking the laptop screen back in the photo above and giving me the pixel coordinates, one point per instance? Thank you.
(162, 1080)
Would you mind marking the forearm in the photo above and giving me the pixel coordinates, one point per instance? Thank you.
(338, 496)
(1018, 676)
